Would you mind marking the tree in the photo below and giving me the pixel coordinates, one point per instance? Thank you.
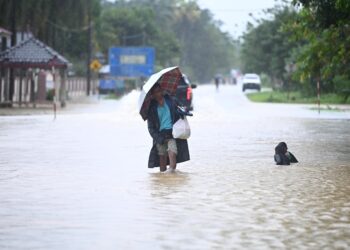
(60, 24)
(324, 26)
(182, 33)
(267, 48)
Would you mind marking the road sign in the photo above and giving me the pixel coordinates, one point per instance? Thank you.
(131, 61)
(95, 65)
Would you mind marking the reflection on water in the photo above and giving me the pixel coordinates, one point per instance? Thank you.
(165, 184)
(82, 182)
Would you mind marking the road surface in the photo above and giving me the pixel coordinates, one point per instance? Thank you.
(81, 182)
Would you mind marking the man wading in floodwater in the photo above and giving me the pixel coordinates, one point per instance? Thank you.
(162, 115)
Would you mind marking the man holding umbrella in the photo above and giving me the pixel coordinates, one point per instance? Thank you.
(160, 109)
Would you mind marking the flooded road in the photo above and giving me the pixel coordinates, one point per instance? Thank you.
(81, 182)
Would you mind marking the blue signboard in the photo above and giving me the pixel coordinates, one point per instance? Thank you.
(107, 84)
(111, 84)
(131, 61)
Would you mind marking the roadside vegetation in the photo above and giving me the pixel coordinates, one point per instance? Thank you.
(181, 32)
(301, 44)
(296, 45)
(295, 97)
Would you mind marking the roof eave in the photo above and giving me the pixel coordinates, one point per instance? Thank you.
(38, 65)
(5, 32)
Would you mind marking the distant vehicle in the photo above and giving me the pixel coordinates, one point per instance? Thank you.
(108, 83)
(251, 81)
(184, 92)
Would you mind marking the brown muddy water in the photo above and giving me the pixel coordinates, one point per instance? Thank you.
(81, 182)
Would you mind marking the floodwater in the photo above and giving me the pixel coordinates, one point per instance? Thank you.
(81, 182)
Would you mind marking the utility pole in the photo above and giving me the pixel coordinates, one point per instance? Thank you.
(88, 73)
(13, 43)
(318, 95)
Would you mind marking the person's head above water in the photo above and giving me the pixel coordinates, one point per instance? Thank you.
(157, 92)
(281, 148)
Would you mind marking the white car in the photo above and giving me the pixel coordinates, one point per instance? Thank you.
(251, 81)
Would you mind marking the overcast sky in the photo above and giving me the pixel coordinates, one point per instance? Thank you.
(235, 13)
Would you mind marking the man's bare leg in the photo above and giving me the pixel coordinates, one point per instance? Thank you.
(172, 158)
(163, 162)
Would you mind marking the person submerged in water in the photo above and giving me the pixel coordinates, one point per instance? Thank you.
(283, 156)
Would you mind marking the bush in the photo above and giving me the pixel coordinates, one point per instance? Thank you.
(342, 86)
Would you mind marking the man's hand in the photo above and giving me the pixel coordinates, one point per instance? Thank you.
(160, 139)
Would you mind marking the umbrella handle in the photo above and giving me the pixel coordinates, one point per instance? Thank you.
(183, 112)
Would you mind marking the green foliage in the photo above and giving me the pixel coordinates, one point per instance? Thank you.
(315, 36)
(205, 49)
(342, 86)
(265, 80)
(60, 24)
(297, 97)
(326, 13)
(121, 25)
(182, 33)
(324, 26)
(267, 48)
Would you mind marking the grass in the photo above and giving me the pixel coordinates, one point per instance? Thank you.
(295, 97)
(328, 108)
(112, 96)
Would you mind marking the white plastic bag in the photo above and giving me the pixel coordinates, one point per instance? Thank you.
(181, 129)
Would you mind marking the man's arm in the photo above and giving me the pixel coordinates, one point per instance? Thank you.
(155, 134)
(281, 159)
(180, 109)
(278, 159)
(293, 159)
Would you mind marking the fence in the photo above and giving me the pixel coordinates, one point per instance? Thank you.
(33, 88)
(25, 89)
(77, 87)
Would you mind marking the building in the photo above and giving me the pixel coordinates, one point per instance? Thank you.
(27, 60)
(5, 39)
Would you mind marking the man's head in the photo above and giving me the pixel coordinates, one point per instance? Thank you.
(281, 148)
(157, 92)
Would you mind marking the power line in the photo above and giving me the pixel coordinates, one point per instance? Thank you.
(77, 30)
(133, 36)
(63, 28)
(235, 10)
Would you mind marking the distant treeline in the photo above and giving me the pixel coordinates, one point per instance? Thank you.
(182, 33)
(300, 44)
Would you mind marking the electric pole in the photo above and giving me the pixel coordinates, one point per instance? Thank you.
(88, 73)
(13, 43)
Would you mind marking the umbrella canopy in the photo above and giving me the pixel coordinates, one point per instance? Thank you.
(168, 79)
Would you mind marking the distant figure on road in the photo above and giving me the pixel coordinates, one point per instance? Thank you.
(283, 156)
(217, 81)
(234, 81)
(161, 117)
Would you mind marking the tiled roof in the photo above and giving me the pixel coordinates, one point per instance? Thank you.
(4, 32)
(31, 51)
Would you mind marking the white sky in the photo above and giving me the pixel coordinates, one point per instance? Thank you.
(235, 13)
